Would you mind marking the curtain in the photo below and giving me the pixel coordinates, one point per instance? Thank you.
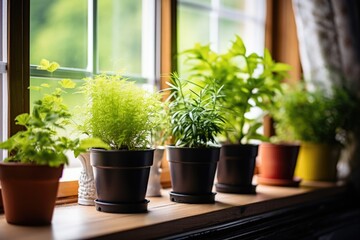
(329, 41)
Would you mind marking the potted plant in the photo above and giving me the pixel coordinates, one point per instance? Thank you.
(317, 118)
(249, 83)
(195, 121)
(121, 114)
(30, 175)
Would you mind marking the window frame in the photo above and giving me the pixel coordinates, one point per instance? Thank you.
(3, 77)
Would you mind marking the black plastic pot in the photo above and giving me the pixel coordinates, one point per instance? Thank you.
(121, 179)
(192, 173)
(236, 168)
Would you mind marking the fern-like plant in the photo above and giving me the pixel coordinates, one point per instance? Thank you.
(249, 81)
(195, 112)
(313, 116)
(42, 142)
(119, 112)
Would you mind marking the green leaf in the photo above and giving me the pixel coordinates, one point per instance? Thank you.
(45, 85)
(88, 143)
(46, 65)
(238, 47)
(267, 57)
(280, 67)
(22, 119)
(67, 83)
(53, 67)
(9, 144)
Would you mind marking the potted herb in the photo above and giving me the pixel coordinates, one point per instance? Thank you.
(317, 119)
(121, 114)
(30, 175)
(249, 83)
(195, 121)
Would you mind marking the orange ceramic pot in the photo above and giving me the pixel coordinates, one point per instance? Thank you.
(277, 161)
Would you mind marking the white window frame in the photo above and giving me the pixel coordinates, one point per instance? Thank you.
(3, 78)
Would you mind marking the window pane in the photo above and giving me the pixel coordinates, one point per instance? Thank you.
(235, 4)
(227, 31)
(206, 2)
(193, 27)
(119, 36)
(58, 32)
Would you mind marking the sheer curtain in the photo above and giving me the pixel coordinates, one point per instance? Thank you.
(329, 39)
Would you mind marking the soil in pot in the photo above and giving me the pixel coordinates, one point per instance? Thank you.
(236, 168)
(29, 192)
(192, 173)
(121, 179)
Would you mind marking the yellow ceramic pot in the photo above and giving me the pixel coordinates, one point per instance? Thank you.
(317, 162)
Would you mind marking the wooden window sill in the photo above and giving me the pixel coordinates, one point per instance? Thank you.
(166, 218)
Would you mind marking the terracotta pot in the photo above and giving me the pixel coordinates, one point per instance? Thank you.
(121, 179)
(278, 161)
(192, 173)
(29, 192)
(236, 168)
(318, 162)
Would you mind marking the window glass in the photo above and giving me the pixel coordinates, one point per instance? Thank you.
(218, 23)
(58, 31)
(235, 4)
(119, 35)
(227, 29)
(207, 2)
(193, 27)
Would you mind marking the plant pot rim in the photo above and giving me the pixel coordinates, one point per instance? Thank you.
(239, 144)
(280, 144)
(178, 147)
(121, 150)
(320, 144)
(27, 164)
